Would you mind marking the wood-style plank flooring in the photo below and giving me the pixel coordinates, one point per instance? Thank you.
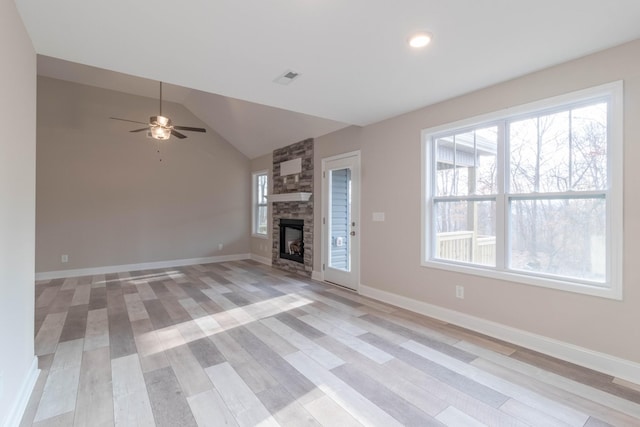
(242, 344)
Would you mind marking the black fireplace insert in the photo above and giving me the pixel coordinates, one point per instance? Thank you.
(292, 239)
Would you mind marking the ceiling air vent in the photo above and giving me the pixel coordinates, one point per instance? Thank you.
(287, 77)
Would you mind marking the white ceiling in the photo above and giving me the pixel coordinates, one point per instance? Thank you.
(355, 65)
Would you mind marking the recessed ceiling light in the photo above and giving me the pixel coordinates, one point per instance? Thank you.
(420, 39)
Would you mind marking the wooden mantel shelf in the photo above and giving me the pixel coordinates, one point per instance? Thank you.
(289, 197)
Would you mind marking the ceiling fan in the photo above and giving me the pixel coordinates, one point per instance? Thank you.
(160, 127)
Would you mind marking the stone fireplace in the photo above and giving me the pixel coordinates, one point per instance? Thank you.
(292, 202)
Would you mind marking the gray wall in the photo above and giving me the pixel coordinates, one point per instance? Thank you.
(17, 210)
(391, 183)
(104, 198)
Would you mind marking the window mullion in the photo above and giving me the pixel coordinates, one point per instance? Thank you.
(430, 227)
(501, 200)
(571, 150)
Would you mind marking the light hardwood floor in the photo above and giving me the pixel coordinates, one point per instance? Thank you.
(242, 344)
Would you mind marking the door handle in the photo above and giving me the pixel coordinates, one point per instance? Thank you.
(353, 233)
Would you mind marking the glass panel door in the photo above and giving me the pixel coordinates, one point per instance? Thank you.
(340, 219)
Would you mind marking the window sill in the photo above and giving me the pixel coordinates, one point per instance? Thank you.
(260, 236)
(611, 292)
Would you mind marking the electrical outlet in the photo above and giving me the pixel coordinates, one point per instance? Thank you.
(460, 292)
(64, 258)
(220, 246)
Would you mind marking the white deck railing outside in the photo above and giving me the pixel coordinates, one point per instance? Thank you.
(466, 246)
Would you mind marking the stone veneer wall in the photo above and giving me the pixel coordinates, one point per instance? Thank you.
(294, 210)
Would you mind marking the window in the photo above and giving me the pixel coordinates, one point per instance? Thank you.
(260, 186)
(533, 195)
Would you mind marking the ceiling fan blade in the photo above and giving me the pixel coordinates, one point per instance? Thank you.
(139, 130)
(191, 129)
(178, 134)
(127, 120)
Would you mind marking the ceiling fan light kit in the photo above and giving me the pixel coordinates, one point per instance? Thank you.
(160, 127)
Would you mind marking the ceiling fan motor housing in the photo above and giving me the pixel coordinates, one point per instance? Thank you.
(160, 121)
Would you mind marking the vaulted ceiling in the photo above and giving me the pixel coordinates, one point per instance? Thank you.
(352, 56)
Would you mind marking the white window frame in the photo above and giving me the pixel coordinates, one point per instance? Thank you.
(614, 222)
(255, 205)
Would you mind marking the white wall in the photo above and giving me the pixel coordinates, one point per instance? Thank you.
(391, 183)
(17, 213)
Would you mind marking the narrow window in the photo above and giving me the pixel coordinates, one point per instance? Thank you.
(260, 206)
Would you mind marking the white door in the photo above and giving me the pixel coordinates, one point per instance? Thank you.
(341, 219)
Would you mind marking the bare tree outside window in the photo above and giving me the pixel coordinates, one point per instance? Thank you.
(560, 160)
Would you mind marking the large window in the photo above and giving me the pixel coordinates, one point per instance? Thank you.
(530, 195)
(260, 206)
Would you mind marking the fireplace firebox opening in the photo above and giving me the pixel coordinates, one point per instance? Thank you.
(292, 239)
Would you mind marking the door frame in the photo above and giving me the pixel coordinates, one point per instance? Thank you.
(356, 196)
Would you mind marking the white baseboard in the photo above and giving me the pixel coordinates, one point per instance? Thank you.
(261, 259)
(317, 275)
(602, 362)
(23, 396)
(60, 274)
